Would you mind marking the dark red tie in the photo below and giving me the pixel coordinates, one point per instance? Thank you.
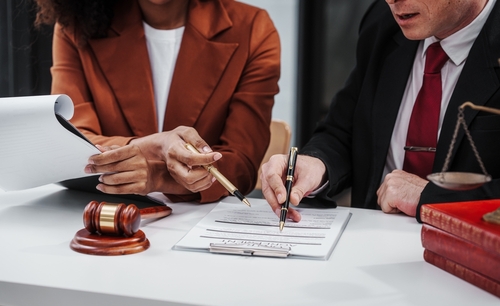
(422, 135)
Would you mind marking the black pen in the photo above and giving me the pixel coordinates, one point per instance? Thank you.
(292, 158)
(221, 178)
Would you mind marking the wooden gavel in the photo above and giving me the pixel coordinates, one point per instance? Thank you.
(119, 219)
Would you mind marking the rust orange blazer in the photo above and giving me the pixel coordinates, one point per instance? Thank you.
(224, 83)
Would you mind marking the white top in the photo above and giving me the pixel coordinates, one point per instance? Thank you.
(163, 48)
(457, 47)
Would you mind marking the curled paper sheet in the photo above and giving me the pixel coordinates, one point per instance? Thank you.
(38, 145)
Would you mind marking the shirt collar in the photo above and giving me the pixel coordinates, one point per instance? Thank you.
(458, 45)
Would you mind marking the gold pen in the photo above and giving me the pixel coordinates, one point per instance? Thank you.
(221, 178)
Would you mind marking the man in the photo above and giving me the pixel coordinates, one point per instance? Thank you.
(361, 142)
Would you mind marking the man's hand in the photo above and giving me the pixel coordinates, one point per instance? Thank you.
(400, 192)
(308, 176)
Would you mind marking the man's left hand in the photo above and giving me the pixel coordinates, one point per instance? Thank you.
(400, 192)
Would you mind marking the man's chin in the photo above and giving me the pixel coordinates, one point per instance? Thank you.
(415, 35)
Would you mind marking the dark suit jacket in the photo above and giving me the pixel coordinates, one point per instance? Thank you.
(223, 84)
(353, 140)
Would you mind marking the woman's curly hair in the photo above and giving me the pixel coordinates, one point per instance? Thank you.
(91, 18)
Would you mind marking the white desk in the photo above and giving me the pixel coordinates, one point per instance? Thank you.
(378, 261)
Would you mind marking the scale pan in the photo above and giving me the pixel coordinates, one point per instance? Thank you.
(458, 180)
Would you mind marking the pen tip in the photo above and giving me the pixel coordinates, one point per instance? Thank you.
(247, 202)
(282, 224)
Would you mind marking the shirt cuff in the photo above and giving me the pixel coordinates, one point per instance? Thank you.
(318, 190)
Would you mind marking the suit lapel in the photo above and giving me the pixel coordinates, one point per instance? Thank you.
(124, 60)
(392, 83)
(200, 63)
(478, 81)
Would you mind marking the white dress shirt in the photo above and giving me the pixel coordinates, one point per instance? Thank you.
(457, 46)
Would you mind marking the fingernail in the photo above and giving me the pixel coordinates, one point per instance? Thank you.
(213, 179)
(88, 169)
(217, 156)
(207, 149)
(91, 162)
(280, 198)
(100, 178)
(98, 187)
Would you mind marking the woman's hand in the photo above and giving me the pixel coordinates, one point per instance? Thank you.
(125, 170)
(184, 166)
(158, 162)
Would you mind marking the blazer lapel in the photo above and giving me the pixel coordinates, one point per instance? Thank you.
(124, 60)
(478, 81)
(200, 63)
(392, 83)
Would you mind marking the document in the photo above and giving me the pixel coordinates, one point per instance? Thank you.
(38, 145)
(237, 229)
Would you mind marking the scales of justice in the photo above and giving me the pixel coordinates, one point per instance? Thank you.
(465, 180)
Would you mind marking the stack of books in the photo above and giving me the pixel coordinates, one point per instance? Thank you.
(458, 240)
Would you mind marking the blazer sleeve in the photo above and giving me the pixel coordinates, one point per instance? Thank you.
(69, 77)
(332, 141)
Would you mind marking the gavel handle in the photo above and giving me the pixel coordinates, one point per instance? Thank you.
(159, 211)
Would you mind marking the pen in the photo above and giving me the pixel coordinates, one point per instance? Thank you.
(292, 158)
(221, 178)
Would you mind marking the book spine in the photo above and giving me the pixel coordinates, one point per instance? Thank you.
(460, 228)
(461, 251)
(462, 272)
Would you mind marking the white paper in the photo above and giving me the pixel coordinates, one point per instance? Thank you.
(35, 149)
(315, 236)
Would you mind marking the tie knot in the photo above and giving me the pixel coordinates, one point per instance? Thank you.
(435, 58)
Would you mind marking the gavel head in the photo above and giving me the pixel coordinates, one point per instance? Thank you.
(111, 219)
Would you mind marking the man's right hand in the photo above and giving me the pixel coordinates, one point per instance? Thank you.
(309, 173)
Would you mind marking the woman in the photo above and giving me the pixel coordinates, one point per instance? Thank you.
(147, 76)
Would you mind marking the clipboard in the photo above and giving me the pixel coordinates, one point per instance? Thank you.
(88, 184)
(249, 250)
(235, 229)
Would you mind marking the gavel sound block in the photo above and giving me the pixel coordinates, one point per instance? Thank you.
(113, 229)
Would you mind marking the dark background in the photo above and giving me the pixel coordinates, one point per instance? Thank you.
(25, 52)
(326, 47)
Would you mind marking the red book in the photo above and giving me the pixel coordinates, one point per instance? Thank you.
(464, 219)
(461, 252)
(462, 272)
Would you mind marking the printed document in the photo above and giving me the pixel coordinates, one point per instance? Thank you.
(237, 229)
